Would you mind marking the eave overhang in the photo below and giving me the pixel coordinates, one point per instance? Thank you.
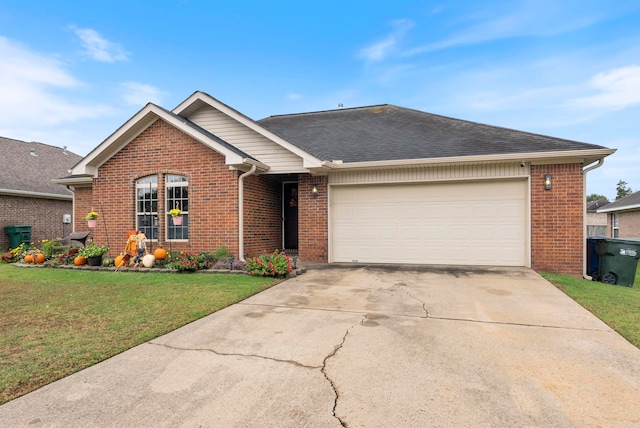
(29, 194)
(536, 158)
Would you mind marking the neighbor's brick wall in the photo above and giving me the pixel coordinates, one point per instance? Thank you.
(557, 219)
(628, 224)
(313, 221)
(43, 215)
(162, 149)
(262, 214)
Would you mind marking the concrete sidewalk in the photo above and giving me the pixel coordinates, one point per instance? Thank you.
(365, 347)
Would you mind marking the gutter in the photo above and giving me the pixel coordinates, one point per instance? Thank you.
(584, 217)
(241, 211)
(534, 157)
(35, 194)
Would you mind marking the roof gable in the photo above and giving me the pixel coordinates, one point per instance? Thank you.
(387, 133)
(208, 112)
(141, 121)
(27, 168)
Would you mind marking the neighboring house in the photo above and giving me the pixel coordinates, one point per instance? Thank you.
(27, 195)
(623, 216)
(379, 184)
(596, 222)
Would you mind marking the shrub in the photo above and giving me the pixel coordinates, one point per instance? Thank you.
(189, 262)
(221, 254)
(9, 257)
(275, 264)
(47, 247)
(229, 263)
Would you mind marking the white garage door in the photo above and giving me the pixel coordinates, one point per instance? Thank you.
(472, 223)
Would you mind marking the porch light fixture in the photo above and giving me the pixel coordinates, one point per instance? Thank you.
(547, 182)
(314, 190)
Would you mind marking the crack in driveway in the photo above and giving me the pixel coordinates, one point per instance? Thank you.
(324, 371)
(322, 368)
(235, 354)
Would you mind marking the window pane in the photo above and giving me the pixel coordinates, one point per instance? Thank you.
(147, 206)
(177, 196)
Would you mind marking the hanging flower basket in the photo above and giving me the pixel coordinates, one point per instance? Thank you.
(92, 218)
(175, 216)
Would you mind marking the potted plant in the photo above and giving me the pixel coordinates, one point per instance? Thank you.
(175, 216)
(94, 252)
(92, 218)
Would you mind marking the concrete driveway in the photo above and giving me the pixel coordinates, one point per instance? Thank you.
(362, 346)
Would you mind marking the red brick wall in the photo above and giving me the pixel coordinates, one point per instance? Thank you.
(313, 219)
(43, 215)
(262, 214)
(557, 219)
(162, 149)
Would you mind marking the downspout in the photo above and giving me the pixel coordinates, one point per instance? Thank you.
(584, 218)
(241, 211)
(73, 208)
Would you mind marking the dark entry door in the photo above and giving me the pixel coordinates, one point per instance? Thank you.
(290, 215)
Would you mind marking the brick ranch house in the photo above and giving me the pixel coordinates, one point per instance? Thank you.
(27, 195)
(378, 184)
(623, 216)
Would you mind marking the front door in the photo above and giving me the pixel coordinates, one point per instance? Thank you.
(290, 215)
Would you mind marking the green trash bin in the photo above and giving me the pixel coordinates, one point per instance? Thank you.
(618, 260)
(18, 235)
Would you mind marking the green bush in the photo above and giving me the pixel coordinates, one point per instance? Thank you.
(189, 262)
(276, 264)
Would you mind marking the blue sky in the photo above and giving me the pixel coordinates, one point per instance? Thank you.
(72, 72)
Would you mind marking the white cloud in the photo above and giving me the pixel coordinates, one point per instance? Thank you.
(615, 89)
(99, 48)
(140, 94)
(28, 84)
(37, 98)
(383, 48)
(527, 18)
(294, 97)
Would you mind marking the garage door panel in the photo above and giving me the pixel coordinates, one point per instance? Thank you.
(481, 223)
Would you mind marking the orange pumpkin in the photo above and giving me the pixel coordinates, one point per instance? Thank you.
(118, 261)
(28, 258)
(80, 260)
(40, 258)
(160, 254)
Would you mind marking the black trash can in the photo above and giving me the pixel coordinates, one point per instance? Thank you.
(618, 260)
(18, 235)
(593, 258)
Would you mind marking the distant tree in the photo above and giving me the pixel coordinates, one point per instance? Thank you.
(595, 197)
(622, 190)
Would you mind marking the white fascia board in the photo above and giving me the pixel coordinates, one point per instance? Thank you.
(145, 117)
(29, 194)
(309, 161)
(619, 209)
(539, 157)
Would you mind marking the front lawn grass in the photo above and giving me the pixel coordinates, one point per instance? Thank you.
(54, 322)
(617, 306)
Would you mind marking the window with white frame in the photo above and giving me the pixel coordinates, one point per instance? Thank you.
(614, 225)
(177, 196)
(147, 206)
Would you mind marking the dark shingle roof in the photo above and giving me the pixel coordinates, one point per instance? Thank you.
(388, 132)
(631, 201)
(21, 171)
(594, 205)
